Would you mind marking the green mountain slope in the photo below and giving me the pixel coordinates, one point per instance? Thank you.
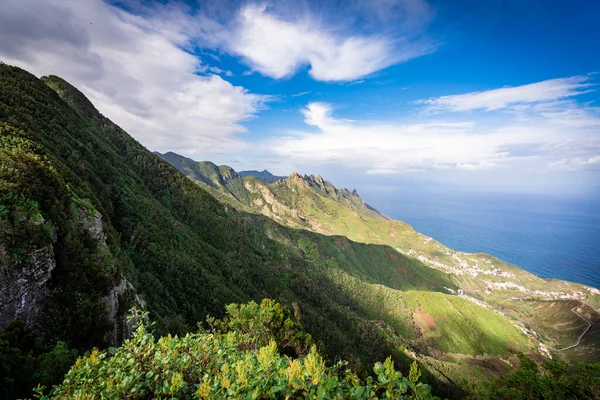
(297, 201)
(542, 307)
(175, 249)
(92, 223)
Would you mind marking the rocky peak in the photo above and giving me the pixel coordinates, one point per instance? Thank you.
(297, 179)
(228, 173)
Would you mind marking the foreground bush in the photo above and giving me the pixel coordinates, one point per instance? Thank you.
(219, 365)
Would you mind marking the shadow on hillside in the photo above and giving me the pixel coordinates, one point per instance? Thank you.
(371, 263)
(329, 314)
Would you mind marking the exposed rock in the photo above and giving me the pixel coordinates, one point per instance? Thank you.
(228, 173)
(121, 329)
(24, 286)
(92, 221)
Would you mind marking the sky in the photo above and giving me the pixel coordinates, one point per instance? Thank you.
(482, 95)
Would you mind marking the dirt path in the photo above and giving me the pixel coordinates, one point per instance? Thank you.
(584, 332)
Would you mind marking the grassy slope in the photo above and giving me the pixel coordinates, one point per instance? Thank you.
(301, 202)
(188, 255)
(184, 253)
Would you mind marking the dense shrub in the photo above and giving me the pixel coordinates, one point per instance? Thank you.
(550, 380)
(219, 365)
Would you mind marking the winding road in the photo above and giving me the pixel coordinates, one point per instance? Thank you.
(574, 309)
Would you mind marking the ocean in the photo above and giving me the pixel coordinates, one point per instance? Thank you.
(552, 237)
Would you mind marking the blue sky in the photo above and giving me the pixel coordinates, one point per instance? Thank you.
(471, 94)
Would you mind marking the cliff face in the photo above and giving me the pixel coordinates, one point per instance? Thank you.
(24, 286)
(121, 329)
(92, 222)
(26, 281)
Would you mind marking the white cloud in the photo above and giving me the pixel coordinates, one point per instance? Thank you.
(278, 48)
(219, 71)
(575, 164)
(539, 143)
(518, 96)
(277, 39)
(135, 72)
(319, 115)
(300, 94)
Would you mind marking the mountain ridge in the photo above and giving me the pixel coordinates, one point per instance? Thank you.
(124, 227)
(110, 209)
(248, 190)
(264, 175)
(480, 277)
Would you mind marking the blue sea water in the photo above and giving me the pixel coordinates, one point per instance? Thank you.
(552, 237)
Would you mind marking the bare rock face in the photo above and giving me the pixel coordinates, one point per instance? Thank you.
(121, 329)
(228, 174)
(24, 285)
(92, 221)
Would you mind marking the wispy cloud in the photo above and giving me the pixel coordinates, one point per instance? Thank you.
(278, 48)
(539, 143)
(301, 94)
(496, 99)
(219, 71)
(136, 72)
(277, 39)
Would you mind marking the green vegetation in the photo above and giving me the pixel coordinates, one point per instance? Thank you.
(450, 324)
(552, 380)
(264, 176)
(261, 324)
(24, 363)
(120, 226)
(228, 365)
(184, 254)
(313, 204)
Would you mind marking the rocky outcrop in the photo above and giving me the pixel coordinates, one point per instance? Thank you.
(92, 222)
(24, 285)
(121, 329)
(228, 173)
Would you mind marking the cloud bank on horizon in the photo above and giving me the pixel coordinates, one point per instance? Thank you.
(293, 85)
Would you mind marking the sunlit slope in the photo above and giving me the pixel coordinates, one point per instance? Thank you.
(430, 320)
(311, 203)
(184, 254)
